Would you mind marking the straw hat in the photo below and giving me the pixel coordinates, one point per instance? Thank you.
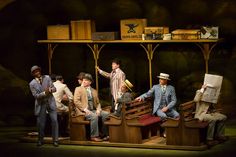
(128, 84)
(164, 76)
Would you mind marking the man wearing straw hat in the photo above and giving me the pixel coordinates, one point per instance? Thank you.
(124, 96)
(164, 98)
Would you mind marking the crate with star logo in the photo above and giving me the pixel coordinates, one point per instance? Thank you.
(132, 29)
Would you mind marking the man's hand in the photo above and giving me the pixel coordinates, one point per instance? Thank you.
(87, 112)
(139, 99)
(98, 112)
(98, 69)
(65, 97)
(204, 86)
(164, 109)
(47, 91)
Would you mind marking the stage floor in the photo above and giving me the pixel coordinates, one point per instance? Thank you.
(153, 143)
(11, 146)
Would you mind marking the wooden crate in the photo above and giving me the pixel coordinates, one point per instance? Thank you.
(82, 29)
(156, 30)
(132, 29)
(186, 34)
(58, 32)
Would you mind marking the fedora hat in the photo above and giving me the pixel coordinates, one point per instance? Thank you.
(35, 67)
(128, 84)
(164, 76)
(88, 77)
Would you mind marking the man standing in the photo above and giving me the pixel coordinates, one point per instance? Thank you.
(63, 93)
(42, 88)
(117, 77)
(164, 98)
(87, 102)
(205, 112)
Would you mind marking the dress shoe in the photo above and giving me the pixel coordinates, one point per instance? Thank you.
(106, 138)
(96, 139)
(222, 139)
(211, 143)
(39, 143)
(55, 144)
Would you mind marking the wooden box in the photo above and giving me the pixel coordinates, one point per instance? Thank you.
(156, 30)
(186, 34)
(82, 29)
(105, 36)
(132, 29)
(58, 32)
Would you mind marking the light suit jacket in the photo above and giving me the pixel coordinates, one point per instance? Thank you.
(201, 106)
(81, 100)
(115, 81)
(61, 90)
(40, 97)
(156, 92)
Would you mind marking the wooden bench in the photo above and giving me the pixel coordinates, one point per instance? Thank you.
(187, 131)
(79, 126)
(135, 124)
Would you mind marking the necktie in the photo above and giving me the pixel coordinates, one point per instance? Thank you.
(163, 89)
(40, 80)
(113, 73)
(89, 92)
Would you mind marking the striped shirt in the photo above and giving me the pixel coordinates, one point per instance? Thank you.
(117, 77)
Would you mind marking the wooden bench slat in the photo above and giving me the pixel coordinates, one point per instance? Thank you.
(187, 105)
(137, 109)
(138, 114)
(137, 103)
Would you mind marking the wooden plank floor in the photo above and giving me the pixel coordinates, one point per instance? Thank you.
(153, 143)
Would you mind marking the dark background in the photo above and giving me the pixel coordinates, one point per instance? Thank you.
(23, 22)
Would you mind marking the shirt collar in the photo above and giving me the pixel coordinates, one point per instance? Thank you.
(38, 79)
(163, 86)
(116, 70)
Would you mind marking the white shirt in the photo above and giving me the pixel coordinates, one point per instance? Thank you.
(61, 90)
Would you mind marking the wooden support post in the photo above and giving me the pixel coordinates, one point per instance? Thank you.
(150, 51)
(96, 51)
(51, 49)
(206, 49)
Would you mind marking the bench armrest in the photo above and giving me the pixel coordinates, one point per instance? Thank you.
(133, 117)
(111, 116)
(79, 119)
(170, 123)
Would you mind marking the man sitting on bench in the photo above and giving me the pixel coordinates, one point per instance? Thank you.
(87, 101)
(164, 98)
(124, 96)
(205, 99)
